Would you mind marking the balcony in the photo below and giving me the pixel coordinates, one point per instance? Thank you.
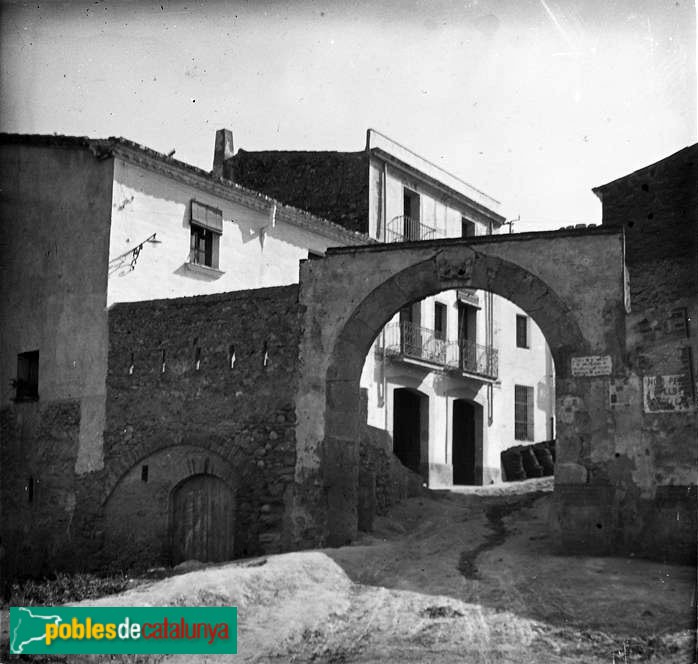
(406, 229)
(410, 340)
(407, 340)
(477, 359)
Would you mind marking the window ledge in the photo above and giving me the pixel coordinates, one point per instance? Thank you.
(210, 272)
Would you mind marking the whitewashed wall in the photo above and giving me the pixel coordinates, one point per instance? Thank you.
(252, 254)
(532, 366)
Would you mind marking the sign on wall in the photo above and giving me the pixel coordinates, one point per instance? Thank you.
(621, 393)
(667, 394)
(592, 365)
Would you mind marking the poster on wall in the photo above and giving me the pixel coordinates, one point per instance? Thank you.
(667, 394)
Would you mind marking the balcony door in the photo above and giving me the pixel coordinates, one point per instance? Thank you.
(467, 336)
(411, 216)
(410, 330)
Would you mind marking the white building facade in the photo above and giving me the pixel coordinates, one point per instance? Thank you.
(461, 376)
(448, 378)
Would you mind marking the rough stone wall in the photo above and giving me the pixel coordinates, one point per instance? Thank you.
(39, 451)
(332, 185)
(235, 422)
(657, 206)
(640, 495)
(383, 480)
(54, 246)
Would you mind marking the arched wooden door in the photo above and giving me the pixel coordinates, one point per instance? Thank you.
(202, 520)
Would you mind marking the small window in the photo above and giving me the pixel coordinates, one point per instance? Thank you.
(440, 320)
(202, 243)
(522, 331)
(467, 228)
(206, 228)
(523, 412)
(27, 382)
(677, 322)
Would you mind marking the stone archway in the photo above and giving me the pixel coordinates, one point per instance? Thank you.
(570, 283)
(138, 510)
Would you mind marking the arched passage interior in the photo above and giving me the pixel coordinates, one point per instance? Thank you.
(552, 314)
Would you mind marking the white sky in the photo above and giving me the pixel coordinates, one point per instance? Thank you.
(533, 102)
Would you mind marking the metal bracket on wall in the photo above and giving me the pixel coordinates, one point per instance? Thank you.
(131, 256)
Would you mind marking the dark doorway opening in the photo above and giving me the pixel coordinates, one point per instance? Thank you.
(464, 444)
(409, 427)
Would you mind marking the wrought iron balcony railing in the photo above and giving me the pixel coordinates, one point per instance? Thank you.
(413, 341)
(406, 229)
(477, 359)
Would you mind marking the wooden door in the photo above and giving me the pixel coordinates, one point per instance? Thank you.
(203, 519)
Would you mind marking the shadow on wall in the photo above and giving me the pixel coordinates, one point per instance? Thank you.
(383, 480)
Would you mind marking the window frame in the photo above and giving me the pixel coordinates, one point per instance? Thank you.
(465, 223)
(524, 413)
(206, 228)
(440, 317)
(201, 246)
(526, 341)
(27, 381)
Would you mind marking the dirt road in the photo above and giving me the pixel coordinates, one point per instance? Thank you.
(445, 578)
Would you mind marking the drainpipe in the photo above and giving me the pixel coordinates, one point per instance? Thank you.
(384, 184)
(385, 385)
(489, 301)
(447, 430)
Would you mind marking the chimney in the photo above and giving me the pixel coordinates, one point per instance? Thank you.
(221, 153)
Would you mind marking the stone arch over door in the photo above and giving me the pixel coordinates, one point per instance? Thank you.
(570, 283)
(137, 512)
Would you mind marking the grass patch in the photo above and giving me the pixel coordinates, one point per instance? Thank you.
(65, 588)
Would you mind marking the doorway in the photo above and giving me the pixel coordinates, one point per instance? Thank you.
(202, 520)
(465, 443)
(411, 428)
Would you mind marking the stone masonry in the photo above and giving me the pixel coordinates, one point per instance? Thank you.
(210, 381)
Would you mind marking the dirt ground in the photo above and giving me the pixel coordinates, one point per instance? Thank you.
(448, 577)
